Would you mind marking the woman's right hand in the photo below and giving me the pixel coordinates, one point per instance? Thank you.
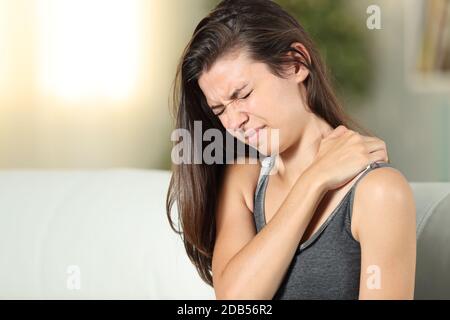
(343, 154)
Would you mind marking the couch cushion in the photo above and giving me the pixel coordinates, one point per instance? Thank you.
(106, 228)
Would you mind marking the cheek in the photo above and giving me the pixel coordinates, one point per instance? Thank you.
(263, 107)
(275, 102)
(256, 107)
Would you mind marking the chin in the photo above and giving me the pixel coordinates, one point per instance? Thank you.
(267, 148)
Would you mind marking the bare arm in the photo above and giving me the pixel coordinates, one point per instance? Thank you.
(385, 223)
(249, 266)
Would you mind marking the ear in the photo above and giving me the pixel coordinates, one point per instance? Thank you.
(301, 72)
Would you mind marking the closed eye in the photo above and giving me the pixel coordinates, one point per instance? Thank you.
(243, 98)
(247, 95)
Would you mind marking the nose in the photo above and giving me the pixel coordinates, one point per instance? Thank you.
(236, 118)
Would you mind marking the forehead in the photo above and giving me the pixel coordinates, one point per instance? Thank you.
(228, 73)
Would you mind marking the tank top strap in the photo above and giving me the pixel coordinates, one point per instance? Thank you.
(369, 168)
(266, 165)
(258, 210)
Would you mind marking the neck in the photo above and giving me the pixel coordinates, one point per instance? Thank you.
(292, 162)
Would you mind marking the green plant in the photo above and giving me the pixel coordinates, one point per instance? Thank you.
(340, 37)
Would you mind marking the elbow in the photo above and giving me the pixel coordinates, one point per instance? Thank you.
(237, 294)
(224, 293)
(224, 290)
(237, 291)
(222, 296)
(228, 291)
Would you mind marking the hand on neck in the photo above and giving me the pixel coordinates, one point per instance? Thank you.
(292, 162)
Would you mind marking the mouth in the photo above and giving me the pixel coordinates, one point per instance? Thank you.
(252, 134)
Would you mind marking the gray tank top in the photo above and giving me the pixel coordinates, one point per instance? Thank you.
(327, 265)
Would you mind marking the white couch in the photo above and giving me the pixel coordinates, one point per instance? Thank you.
(103, 234)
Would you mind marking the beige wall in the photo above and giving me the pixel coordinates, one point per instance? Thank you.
(44, 131)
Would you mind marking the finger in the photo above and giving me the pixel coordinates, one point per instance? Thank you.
(374, 144)
(337, 132)
(377, 156)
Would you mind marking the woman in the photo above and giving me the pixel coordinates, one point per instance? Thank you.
(294, 226)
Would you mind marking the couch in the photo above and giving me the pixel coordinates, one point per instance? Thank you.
(103, 234)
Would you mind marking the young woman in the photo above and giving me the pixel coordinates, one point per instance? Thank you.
(324, 215)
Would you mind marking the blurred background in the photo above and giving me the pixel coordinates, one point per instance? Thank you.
(86, 84)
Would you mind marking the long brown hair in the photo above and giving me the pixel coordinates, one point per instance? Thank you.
(266, 32)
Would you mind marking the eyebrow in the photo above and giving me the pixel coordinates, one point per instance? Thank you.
(232, 97)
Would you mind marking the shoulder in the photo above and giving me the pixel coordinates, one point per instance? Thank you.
(242, 175)
(383, 182)
(243, 167)
(382, 198)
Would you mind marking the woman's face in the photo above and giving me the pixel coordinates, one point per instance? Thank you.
(262, 101)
